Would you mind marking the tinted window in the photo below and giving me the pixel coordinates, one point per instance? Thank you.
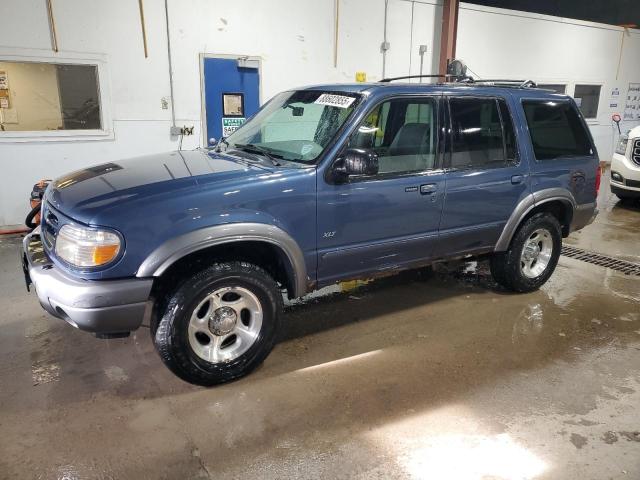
(403, 133)
(556, 130)
(38, 96)
(477, 138)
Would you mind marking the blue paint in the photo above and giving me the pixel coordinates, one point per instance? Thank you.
(344, 230)
(222, 75)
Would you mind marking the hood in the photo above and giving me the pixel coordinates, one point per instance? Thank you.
(82, 194)
(634, 132)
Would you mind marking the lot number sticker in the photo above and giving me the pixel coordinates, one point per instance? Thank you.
(230, 125)
(332, 100)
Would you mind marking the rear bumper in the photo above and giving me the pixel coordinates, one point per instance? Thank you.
(103, 307)
(583, 215)
(625, 191)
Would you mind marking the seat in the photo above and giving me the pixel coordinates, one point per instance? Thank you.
(411, 139)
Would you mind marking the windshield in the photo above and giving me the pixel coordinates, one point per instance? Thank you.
(295, 126)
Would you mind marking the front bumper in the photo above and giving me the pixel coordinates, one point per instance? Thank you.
(100, 306)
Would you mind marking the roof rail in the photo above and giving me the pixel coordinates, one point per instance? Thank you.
(406, 77)
(469, 80)
(501, 82)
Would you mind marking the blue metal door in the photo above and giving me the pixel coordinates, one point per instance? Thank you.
(232, 94)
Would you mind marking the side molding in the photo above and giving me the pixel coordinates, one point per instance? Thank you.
(525, 206)
(176, 248)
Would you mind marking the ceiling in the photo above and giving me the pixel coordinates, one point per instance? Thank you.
(613, 12)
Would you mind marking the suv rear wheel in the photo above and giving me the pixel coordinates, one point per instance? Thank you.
(220, 324)
(532, 256)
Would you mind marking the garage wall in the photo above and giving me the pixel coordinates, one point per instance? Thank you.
(498, 43)
(295, 39)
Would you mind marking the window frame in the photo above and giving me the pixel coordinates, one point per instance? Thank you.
(449, 122)
(437, 99)
(65, 58)
(575, 107)
(590, 120)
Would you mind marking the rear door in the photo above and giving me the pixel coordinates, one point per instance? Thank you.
(485, 175)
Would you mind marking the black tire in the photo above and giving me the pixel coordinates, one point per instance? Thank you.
(171, 335)
(506, 267)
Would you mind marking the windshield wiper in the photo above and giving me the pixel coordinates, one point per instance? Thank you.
(251, 148)
(222, 140)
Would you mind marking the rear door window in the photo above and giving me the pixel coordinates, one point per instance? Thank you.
(556, 130)
(478, 137)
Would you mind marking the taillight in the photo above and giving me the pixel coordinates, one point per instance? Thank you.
(598, 178)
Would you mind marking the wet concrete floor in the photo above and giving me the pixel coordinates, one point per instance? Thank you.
(442, 376)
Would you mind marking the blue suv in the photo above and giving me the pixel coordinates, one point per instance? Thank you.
(323, 184)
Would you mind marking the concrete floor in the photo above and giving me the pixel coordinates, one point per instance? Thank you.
(434, 377)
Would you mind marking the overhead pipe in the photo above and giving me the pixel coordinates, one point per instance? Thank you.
(144, 29)
(385, 44)
(173, 111)
(52, 27)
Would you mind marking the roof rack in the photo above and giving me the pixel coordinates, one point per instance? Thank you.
(406, 77)
(500, 82)
(470, 80)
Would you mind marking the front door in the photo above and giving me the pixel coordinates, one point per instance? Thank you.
(486, 178)
(231, 94)
(388, 220)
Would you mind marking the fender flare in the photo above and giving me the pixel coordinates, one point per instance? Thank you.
(176, 248)
(527, 204)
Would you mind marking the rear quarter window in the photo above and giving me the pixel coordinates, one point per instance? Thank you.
(556, 130)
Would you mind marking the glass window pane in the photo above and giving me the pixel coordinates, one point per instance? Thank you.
(477, 134)
(556, 130)
(403, 133)
(296, 125)
(587, 98)
(556, 87)
(50, 96)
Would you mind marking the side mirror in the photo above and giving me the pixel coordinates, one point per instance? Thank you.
(356, 161)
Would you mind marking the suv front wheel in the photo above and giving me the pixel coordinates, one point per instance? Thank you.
(532, 256)
(220, 324)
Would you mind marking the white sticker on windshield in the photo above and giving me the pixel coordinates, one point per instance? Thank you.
(332, 100)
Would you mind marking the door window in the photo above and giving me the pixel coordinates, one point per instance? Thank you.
(556, 130)
(478, 137)
(403, 133)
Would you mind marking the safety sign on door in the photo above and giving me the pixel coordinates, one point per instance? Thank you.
(230, 125)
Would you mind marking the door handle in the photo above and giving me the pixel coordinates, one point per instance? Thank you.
(516, 179)
(428, 189)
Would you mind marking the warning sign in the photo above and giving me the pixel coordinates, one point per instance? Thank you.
(230, 125)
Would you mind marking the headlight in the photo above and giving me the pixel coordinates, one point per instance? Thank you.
(622, 144)
(86, 247)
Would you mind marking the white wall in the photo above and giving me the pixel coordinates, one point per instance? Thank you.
(498, 43)
(295, 39)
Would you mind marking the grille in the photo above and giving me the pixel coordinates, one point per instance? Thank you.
(633, 183)
(623, 266)
(635, 153)
(49, 227)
